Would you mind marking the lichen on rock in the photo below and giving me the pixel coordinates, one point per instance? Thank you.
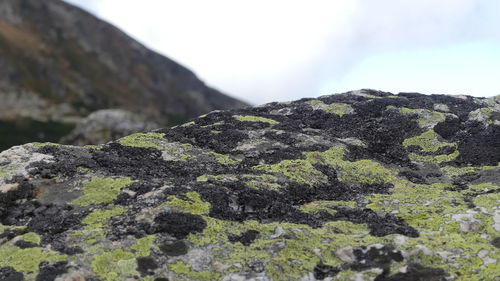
(364, 185)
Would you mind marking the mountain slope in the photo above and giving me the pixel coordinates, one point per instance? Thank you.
(358, 186)
(60, 63)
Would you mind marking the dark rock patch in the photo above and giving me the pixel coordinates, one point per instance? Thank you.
(10, 274)
(49, 271)
(175, 248)
(246, 238)
(178, 225)
(321, 271)
(416, 272)
(376, 257)
(379, 225)
(146, 265)
(25, 244)
(496, 242)
(480, 147)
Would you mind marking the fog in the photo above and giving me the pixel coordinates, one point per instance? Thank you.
(262, 51)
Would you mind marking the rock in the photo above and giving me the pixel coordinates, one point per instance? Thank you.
(108, 124)
(364, 185)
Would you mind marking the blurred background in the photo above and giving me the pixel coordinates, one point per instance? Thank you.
(262, 51)
(89, 71)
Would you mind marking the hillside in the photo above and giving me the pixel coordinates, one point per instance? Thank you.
(59, 63)
(364, 185)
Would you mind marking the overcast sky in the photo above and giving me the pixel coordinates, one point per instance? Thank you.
(267, 50)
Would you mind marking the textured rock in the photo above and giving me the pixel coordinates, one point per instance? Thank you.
(358, 186)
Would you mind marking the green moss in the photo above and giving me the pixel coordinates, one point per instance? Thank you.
(99, 218)
(204, 275)
(212, 125)
(434, 210)
(31, 237)
(179, 267)
(487, 186)
(7, 171)
(261, 182)
(340, 109)
(314, 102)
(37, 145)
(177, 151)
(247, 118)
(490, 201)
(434, 158)
(26, 259)
(452, 171)
(143, 246)
(191, 123)
(361, 171)
(202, 178)
(224, 159)
(316, 206)
(194, 204)
(482, 114)
(101, 191)
(218, 178)
(425, 117)
(427, 142)
(303, 171)
(291, 257)
(115, 265)
(300, 171)
(145, 140)
(91, 146)
(91, 235)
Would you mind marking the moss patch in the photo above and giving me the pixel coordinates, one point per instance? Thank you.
(143, 246)
(32, 237)
(101, 191)
(194, 204)
(179, 267)
(340, 109)
(426, 118)
(27, 259)
(300, 171)
(427, 142)
(453, 233)
(144, 140)
(115, 265)
(224, 159)
(248, 118)
(98, 218)
(361, 171)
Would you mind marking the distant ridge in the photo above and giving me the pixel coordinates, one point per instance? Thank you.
(59, 63)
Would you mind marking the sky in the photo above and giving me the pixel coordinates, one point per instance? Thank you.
(262, 51)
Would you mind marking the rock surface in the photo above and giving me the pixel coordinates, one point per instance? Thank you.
(358, 186)
(59, 63)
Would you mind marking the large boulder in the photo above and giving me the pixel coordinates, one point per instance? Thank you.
(108, 124)
(358, 186)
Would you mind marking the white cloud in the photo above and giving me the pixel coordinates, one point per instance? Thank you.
(279, 50)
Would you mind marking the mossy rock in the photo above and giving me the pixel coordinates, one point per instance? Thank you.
(364, 185)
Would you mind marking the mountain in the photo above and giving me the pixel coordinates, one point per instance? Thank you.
(59, 63)
(364, 185)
